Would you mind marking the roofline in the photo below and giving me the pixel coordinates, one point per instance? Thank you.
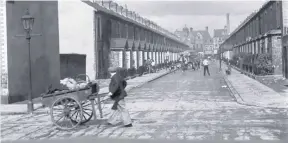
(110, 12)
(251, 16)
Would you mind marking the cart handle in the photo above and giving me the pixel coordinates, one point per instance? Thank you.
(83, 75)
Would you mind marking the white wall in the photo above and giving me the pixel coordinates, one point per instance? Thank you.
(228, 55)
(76, 31)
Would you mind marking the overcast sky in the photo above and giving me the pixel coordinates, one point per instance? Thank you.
(173, 15)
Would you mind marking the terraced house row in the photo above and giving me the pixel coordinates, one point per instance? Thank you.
(103, 34)
(128, 39)
(260, 41)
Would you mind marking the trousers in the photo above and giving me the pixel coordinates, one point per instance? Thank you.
(206, 69)
(120, 115)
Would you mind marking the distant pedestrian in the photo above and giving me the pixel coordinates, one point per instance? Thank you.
(153, 65)
(206, 66)
(118, 93)
(167, 66)
(228, 70)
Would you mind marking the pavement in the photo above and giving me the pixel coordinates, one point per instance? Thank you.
(21, 107)
(178, 106)
(91, 139)
(252, 92)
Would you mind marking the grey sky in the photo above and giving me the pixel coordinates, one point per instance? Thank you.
(174, 15)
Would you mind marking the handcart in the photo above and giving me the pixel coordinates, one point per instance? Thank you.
(71, 108)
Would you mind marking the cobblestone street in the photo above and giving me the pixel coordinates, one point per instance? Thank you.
(177, 106)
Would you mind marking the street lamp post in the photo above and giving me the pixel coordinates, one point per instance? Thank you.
(220, 58)
(28, 21)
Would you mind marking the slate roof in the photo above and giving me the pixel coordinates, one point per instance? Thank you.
(204, 33)
(192, 35)
(219, 33)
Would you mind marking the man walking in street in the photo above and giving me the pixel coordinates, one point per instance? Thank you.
(206, 66)
(118, 93)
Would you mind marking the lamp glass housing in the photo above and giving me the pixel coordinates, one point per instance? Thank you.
(27, 21)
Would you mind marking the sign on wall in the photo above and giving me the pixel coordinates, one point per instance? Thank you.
(3, 50)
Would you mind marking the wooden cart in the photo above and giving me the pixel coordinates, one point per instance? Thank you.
(71, 108)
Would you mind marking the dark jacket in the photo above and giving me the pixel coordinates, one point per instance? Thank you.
(117, 85)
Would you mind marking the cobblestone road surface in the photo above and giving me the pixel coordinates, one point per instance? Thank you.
(178, 106)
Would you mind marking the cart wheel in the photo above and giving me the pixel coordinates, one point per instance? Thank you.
(87, 112)
(63, 109)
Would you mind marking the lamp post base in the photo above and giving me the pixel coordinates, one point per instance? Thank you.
(30, 107)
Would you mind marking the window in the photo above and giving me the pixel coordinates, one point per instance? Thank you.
(199, 36)
(269, 50)
(126, 31)
(136, 33)
(118, 34)
(278, 15)
(130, 32)
(123, 32)
(99, 27)
(265, 22)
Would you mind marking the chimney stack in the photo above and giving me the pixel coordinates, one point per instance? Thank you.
(227, 24)
(191, 29)
(207, 28)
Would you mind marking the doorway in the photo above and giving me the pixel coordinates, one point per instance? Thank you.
(285, 58)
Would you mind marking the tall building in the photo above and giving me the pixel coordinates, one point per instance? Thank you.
(199, 40)
(218, 38)
(221, 34)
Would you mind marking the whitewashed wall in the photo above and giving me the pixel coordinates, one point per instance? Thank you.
(76, 31)
(228, 55)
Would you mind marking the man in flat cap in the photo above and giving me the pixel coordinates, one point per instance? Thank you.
(117, 89)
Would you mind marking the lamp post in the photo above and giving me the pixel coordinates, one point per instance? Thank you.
(220, 58)
(28, 21)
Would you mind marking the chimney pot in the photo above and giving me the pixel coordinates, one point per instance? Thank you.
(207, 28)
(191, 29)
